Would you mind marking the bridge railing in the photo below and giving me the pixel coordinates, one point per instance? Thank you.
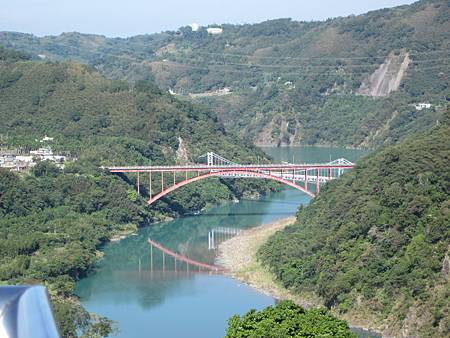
(287, 173)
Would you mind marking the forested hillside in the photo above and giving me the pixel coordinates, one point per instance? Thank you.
(349, 81)
(374, 245)
(51, 224)
(52, 221)
(104, 122)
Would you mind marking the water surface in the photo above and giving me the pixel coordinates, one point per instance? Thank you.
(150, 302)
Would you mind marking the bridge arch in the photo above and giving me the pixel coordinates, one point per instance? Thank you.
(229, 173)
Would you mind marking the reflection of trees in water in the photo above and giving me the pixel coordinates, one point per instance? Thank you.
(162, 284)
(189, 235)
(250, 214)
(145, 287)
(271, 201)
(117, 278)
(117, 274)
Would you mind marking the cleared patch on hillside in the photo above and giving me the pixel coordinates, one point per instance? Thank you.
(387, 78)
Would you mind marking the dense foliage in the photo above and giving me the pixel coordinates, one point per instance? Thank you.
(11, 55)
(372, 243)
(103, 122)
(287, 319)
(292, 82)
(51, 220)
(50, 226)
(376, 242)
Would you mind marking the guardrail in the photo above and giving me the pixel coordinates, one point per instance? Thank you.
(25, 312)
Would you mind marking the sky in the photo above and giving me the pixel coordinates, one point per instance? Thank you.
(132, 17)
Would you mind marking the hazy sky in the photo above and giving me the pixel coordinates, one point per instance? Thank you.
(131, 17)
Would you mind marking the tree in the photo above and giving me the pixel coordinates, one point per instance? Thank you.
(45, 168)
(287, 319)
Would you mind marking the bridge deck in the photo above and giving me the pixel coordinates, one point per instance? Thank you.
(287, 173)
(200, 167)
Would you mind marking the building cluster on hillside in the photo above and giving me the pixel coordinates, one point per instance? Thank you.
(17, 160)
(11, 159)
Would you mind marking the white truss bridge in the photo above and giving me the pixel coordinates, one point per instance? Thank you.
(213, 160)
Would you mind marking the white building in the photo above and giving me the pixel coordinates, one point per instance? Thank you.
(195, 27)
(46, 154)
(11, 162)
(42, 152)
(24, 158)
(224, 91)
(423, 105)
(214, 30)
(46, 138)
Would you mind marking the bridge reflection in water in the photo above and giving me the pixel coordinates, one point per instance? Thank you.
(186, 304)
(219, 235)
(179, 260)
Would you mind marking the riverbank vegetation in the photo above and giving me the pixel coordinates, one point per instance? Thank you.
(287, 319)
(374, 245)
(51, 225)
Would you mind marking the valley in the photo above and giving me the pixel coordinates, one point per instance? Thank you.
(186, 138)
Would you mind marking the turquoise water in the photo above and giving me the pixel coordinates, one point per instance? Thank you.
(149, 302)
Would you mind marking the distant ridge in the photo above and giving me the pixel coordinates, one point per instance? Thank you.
(290, 82)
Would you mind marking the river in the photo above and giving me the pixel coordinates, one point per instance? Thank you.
(184, 303)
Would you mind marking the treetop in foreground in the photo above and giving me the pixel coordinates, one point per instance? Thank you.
(287, 319)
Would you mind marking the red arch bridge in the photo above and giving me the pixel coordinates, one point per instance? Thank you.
(304, 177)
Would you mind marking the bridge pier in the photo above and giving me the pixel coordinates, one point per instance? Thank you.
(150, 184)
(306, 179)
(151, 257)
(317, 182)
(138, 184)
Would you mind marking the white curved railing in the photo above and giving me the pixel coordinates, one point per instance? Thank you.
(25, 312)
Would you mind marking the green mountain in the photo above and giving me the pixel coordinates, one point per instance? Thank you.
(104, 122)
(52, 221)
(374, 245)
(350, 81)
